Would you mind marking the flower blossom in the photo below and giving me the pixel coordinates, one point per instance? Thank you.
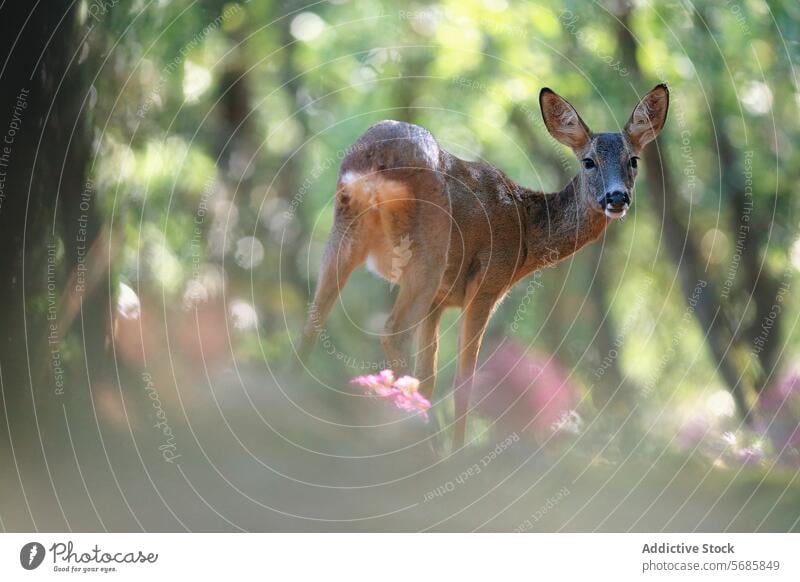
(403, 392)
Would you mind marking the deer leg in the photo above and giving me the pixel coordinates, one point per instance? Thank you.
(339, 260)
(418, 287)
(428, 346)
(475, 318)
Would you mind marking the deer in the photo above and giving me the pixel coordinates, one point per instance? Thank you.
(467, 232)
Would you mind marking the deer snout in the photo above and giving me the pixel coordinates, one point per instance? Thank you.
(616, 203)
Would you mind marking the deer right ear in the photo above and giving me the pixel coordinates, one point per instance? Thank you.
(562, 121)
(648, 117)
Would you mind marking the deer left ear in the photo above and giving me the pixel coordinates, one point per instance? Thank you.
(562, 121)
(648, 117)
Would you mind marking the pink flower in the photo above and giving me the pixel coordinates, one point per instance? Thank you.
(375, 381)
(779, 405)
(403, 392)
(751, 455)
(407, 385)
(414, 402)
(520, 389)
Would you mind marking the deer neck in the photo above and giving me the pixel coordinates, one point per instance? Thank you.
(559, 225)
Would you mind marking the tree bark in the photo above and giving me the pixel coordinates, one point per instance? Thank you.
(681, 246)
(46, 147)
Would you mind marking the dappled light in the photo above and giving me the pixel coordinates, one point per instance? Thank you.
(207, 318)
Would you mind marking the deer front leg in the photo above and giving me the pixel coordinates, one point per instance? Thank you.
(475, 318)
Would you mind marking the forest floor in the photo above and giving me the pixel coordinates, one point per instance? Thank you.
(250, 455)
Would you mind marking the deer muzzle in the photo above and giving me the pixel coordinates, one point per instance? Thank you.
(617, 203)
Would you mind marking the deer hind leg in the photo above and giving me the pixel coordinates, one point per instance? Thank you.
(342, 255)
(418, 286)
(475, 318)
(428, 346)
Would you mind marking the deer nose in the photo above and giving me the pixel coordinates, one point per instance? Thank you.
(617, 200)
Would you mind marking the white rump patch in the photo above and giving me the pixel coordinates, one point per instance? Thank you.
(349, 178)
(369, 189)
(362, 187)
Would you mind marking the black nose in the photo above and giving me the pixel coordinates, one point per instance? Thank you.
(617, 199)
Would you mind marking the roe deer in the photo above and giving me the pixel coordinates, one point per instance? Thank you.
(466, 231)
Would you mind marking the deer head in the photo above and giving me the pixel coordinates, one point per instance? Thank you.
(608, 160)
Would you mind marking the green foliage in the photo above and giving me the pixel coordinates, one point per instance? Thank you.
(174, 143)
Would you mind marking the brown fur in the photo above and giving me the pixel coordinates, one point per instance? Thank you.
(466, 233)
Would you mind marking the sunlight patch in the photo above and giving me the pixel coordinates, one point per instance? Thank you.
(306, 26)
(196, 80)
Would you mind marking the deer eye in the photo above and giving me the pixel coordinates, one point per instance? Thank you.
(634, 162)
(588, 163)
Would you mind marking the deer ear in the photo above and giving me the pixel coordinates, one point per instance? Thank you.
(648, 117)
(562, 121)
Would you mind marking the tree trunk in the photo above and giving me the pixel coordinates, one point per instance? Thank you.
(681, 246)
(46, 148)
(47, 227)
